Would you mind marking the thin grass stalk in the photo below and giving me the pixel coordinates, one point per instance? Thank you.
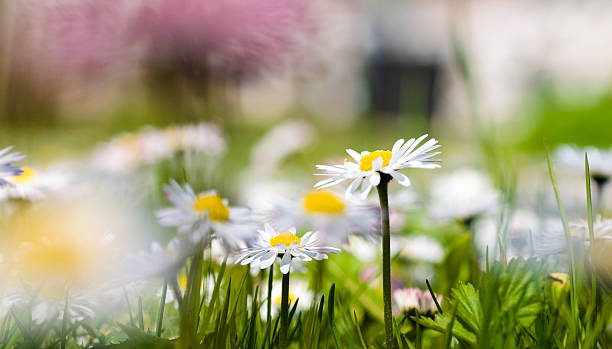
(140, 314)
(127, 302)
(162, 304)
(566, 230)
(591, 232)
(284, 325)
(269, 306)
(383, 197)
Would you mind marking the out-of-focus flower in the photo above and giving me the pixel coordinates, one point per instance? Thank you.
(367, 167)
(462, 195)
(267, 155)
(329, 214)
(287, 245)
(206, 288)
(237, 36)
(61, 43)
(7, 166)
(600, 161)
(132, 150)
(520, 236)
(51, 305)
(158, 261)
(206, 215)
(413, 299)
(420, 248)
(55, 252)
(553, 241)
(298, 292)
(33, 184)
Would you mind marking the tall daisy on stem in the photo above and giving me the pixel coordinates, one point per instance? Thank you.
(377, 169)
(289, 247)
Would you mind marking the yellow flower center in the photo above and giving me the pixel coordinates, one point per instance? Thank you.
(561, 280)
(365, 164)
(217, 210)
(285, 238)
(182, 281)
(320, 201)
(279, 299)
(26, 176)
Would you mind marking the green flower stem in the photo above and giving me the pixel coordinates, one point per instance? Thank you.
(386, 255)
(269, 312)
(284, 312)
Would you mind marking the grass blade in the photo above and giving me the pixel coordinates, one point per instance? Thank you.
(433, 295)
(162, 304)
(140, 314)
(566, 229)
(591, 232)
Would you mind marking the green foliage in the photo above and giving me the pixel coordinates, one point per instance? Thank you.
(503, 307)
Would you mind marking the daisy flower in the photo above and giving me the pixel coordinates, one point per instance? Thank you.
(130, 151)
(462, 195)
(334, 217)
(7, 168)
(409, 299)
(158, 261)
(600, 161)
(286, 245)
(367, 167)
(32, 184)
(206, 215)
(298, 292)
(50, 305)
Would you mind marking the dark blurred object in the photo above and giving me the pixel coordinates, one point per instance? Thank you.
(410, 52)
(402, 87)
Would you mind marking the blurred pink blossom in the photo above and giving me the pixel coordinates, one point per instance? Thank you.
(237, 35)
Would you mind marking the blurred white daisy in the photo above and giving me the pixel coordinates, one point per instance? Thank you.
(7, 166)
(298, 292)
(462, 195)
(419, 248)
(33, 184)
(334, 217)
(286, 245)
(50, 305)
(366, 169)
(206, 288)
(206, 215)
(130, 151)
(600, 160)
(414, 299)
(158, 261)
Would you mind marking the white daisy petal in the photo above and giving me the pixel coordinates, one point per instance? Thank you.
(285, 264)
(400, 178)
(355, 155)
(374, 179)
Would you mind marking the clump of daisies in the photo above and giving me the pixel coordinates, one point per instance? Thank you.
(410, 300)
(332, 215)
(130, 151)
(205, 216)
(7, 164)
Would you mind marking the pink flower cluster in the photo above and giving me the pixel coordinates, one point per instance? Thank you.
(90, 38)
